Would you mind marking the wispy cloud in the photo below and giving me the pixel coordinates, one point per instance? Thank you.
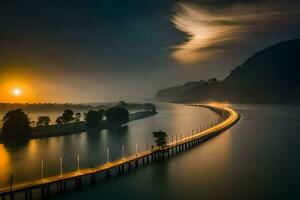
(213, 31)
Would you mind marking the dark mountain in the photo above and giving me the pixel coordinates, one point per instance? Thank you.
(174, 93)
(269, 76)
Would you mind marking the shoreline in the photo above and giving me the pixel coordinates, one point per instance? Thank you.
(77, 127)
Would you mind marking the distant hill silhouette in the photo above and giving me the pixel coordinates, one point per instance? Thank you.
(269, 76)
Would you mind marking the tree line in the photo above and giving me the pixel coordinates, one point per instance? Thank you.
(16, 123)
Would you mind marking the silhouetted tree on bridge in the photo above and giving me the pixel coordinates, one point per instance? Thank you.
(160, 138)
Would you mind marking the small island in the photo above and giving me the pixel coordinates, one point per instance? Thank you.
(18, 126)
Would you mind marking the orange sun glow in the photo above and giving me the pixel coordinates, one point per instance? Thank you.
(17, 92)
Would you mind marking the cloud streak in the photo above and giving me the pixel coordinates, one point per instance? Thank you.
(211, 32)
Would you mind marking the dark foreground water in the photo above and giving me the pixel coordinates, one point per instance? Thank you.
(259, 158)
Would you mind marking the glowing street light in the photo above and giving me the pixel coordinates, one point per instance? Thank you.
(78, 163)
(123, 152)
(42, 171)
(61, 167)
(107, 153)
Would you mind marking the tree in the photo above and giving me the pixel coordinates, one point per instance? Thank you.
(68, 115)
(117, 115)
(102, 113)
(32, 123)
(16, 124)
(77, 117)
(60, 120)
(160, 138)
(84, 115)
(43, 121)
(93, 118)
(122, 104)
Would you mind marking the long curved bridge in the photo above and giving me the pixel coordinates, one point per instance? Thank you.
(44, 186)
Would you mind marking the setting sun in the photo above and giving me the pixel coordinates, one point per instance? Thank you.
(17, 92)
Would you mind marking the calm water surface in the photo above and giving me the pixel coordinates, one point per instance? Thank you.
(24, 161)
(256, 159)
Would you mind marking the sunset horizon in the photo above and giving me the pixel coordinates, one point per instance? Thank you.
(143, 100)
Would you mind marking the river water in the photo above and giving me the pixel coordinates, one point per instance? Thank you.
(258, 158)
(24, 161)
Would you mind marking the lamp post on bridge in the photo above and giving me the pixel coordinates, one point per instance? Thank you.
(61, 167)
(78, 163)
(107, 153)
(42, 170)
(136, 149)
(11, 185)
(123, 152)
(146, 146)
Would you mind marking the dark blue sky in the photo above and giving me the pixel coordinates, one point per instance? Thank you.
(101, 50)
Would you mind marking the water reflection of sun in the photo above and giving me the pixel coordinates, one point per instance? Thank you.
(4, 163)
